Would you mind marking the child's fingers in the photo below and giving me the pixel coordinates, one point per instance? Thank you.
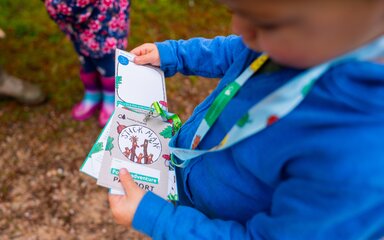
(142, 49)
(126, 180)
(119, 213)
(137, 51)
(146, 54)
(114, 200)
(146, 59)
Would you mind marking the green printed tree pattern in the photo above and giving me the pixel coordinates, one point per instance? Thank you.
(119, 80)
(167, 132)
(305, 90)
(98, 147)
(242, 121)
(109, 146)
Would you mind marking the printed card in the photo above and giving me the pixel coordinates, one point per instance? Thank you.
(92, 163)
(137, 87)
(140, 146)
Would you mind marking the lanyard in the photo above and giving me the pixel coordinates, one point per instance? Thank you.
(270, 109)
(223, 99)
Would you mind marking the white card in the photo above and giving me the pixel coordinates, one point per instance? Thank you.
(137, 87)
(141, 146)
(140, 85)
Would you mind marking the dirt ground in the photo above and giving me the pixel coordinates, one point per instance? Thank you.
(42, 193)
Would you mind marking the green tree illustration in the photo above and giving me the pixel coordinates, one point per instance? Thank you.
(109, 146)
(305, 90)
(167, 132)
(242, 121)
(119, 80)
(98, 147)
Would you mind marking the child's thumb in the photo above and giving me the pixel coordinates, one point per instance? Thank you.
(126, 180)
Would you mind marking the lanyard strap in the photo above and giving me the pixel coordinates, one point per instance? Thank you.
(168, 117)
(223, 99)
(276, 105)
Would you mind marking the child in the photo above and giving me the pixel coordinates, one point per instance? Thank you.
(96, 28)
(312, 170)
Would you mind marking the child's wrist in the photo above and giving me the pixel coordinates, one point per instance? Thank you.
(148, 212)
(166, 56)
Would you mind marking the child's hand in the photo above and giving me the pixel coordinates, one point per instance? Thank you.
(124, 207)
(147, 54)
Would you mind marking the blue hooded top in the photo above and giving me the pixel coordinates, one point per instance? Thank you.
(318, 173)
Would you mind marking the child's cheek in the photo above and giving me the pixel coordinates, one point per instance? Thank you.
(252, 43)
(288, 56)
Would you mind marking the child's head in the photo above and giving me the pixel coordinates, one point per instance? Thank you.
(304, 33)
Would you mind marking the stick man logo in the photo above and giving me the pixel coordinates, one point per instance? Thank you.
(139, 144)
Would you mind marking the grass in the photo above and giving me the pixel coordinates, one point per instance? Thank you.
(35, 49)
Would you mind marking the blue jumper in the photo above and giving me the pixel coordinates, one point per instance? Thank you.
(317, 173)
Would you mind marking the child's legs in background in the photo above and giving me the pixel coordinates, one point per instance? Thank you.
(91, 101)
(106, 68)
(98, 77)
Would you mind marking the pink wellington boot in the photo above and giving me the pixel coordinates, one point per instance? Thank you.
(105, 113)
(108, 105)
(92, 97)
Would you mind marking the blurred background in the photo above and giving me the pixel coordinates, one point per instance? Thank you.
(42, 193)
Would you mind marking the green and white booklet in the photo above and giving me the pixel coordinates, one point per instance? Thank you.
(133, 138)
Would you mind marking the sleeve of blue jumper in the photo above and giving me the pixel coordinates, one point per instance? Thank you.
(322, 211)
(198, 56)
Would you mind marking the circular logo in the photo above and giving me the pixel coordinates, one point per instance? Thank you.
(139, 144)
(123, 60)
